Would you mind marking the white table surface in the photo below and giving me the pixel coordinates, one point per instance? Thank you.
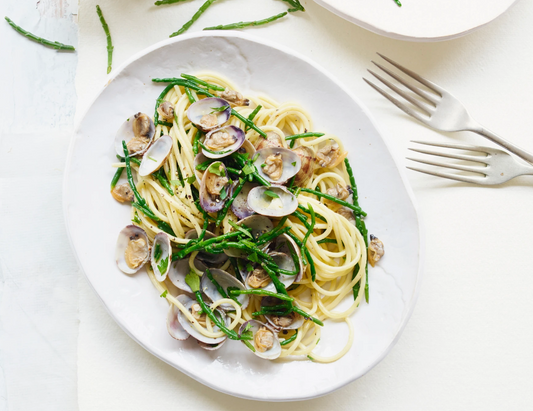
(468, 343)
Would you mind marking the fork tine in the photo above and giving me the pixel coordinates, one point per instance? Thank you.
(411, 73)
(401, 106)
(407, 84)
(470, 169)
(402, 93)
(454, 156)
(465, 147)
(450, 176)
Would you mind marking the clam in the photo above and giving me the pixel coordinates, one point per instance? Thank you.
(273, 201)
(256, 278)
(161, 256)
(209, 113)
(347, 213)
(138, 132)
(285, 244)
(132, 249)
(247, 148)
(215, 188)
(173, 325)
(259, 225)
(264, 339)
(307, 158)
(273, 139)
(196, 311)
(207, 258)
(166, 111)
(277, 165)
(155, 156)
(339, 191)
(330, 155)
(376, 250)
(234, 97)
(223, 141)
(179, 270)
(240, 205)
(210, 347)
(291, 321)
(226, 281)
(123, 193)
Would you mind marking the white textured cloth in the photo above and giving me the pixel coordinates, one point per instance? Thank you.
(468, 344)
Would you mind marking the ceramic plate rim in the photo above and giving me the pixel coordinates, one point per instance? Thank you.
(399, 36)
(364, 109)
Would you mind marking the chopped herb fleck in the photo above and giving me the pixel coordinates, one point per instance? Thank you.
(216, 169)
(163, 265)
(157, 252)
(164, 294)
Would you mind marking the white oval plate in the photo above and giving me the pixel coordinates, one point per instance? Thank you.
(419, 20)
(94, 219)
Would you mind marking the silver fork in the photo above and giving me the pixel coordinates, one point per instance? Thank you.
(495, 167)
(439, 109)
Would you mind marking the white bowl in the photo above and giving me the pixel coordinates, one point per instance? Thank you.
(419, 20)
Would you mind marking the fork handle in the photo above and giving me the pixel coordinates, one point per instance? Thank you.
(524, 155)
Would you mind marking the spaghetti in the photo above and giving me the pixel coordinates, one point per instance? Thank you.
(332, 248)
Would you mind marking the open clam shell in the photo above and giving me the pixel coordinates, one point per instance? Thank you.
(259, 225)
(285, 244)
(210, 184)
(329, 154)
(246, 270)
(273, 139)
(265, 339)
(225, 280)
(187, 326)
(211, 347)
(288, 322)
(232, 140)
(155, 156)
(273, 201)
(179, 270)
(289, 160)
(209, 113)
(307, 158)
(138, 126)
(207, 258)
(173, 325)
(161, 264)
(247, 148)
(132, 250)
(240, 205)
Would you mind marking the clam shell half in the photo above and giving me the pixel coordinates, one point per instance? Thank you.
(284, 204)
(254, 326)
(131, 233)
(209, 106)
(155, 156)
(225, 280)
(290, 160)
(188, 303)
(126, 133)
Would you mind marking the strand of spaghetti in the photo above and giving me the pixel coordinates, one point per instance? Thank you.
(186, 214)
